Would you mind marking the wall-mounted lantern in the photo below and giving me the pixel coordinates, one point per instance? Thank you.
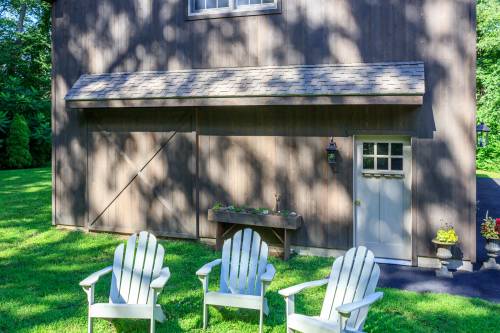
(482, 132)
(331, 152)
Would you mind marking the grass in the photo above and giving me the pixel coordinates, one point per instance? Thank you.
(488, 174)
(40, 267)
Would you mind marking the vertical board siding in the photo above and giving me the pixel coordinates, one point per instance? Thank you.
(130, 35)
(249, 155)
(142, 176)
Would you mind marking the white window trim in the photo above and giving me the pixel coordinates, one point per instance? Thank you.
(232, 8)
(375, 171)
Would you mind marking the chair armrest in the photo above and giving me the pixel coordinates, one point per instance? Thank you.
(161, 280)
(346, 309)
(290, 291)
(94, 277)
(207, 268)
(268, 276)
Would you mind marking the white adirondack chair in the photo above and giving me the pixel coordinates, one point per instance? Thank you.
(245, 275)
(137, 280)
(349, 294)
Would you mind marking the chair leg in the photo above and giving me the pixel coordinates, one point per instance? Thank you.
(266, 307)
(90, 326)
(152, 325)
(205, 315)
(261, 319)
(290, 309)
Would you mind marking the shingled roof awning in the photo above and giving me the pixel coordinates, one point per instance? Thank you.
(359, 84)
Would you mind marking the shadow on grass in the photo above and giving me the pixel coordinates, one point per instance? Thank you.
(40, 268)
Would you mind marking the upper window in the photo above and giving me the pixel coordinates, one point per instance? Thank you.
(383, 157)
(202, 7)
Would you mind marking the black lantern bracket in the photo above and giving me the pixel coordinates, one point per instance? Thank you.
(331, 152)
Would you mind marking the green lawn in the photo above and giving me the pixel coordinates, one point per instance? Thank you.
(488, 174)
(40, 268)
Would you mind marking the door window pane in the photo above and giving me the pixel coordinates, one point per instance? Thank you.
(211, 4)
(243, 2)
(223, 3)
(396, 163)
(368, 163)
(255, 2)
(396, 149)
(383, 156)
(382, 163)
(382, 149)
(199, 4)
(368, 148)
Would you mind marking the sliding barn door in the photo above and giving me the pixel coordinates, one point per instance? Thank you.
(141, 172)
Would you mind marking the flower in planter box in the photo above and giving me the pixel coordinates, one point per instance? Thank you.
(447, 234)
(490, 228)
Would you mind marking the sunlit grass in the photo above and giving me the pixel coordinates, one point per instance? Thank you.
(488, 174)
(40, 267)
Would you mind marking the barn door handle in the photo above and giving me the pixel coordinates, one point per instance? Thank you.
(357, 202)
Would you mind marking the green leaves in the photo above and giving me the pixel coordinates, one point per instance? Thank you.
(488, 80)
(4, 122)
(489, 229)
(41, 139)
(25, 69)
(18, 144)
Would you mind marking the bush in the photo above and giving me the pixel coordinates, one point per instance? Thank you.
(41, 140)
(18, 153)
(4, 127)
(488, 80)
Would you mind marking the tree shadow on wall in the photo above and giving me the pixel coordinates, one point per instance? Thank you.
(111, 36)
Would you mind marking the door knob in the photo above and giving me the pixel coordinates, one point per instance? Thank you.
(357, 202)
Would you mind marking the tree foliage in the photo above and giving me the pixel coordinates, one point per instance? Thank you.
(18, 144)
(25, 66)
(488, 80)
(25, 75)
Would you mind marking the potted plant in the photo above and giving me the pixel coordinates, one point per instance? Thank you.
(490, 230)
(445, 238)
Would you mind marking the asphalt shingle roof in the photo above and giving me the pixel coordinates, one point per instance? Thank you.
(397, 78)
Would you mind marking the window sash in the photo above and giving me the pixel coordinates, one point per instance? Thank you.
(232, 8)
(375, 156)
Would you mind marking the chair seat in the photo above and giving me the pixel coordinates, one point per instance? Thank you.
(234, 300)
(308, 324)
(133, 311)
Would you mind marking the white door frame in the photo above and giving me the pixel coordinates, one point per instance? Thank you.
(408, 181)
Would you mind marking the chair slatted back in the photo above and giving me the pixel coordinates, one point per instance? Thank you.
(353, 276)
(244, 260)
(134, 267)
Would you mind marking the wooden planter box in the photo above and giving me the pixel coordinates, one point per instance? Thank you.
(285, 223)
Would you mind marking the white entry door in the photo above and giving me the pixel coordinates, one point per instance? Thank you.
(383, 197)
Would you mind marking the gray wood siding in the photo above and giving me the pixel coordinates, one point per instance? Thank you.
(247, 155)
(129, 35)
(142, 171)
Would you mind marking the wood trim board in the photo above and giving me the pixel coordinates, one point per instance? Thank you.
(415, 100)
